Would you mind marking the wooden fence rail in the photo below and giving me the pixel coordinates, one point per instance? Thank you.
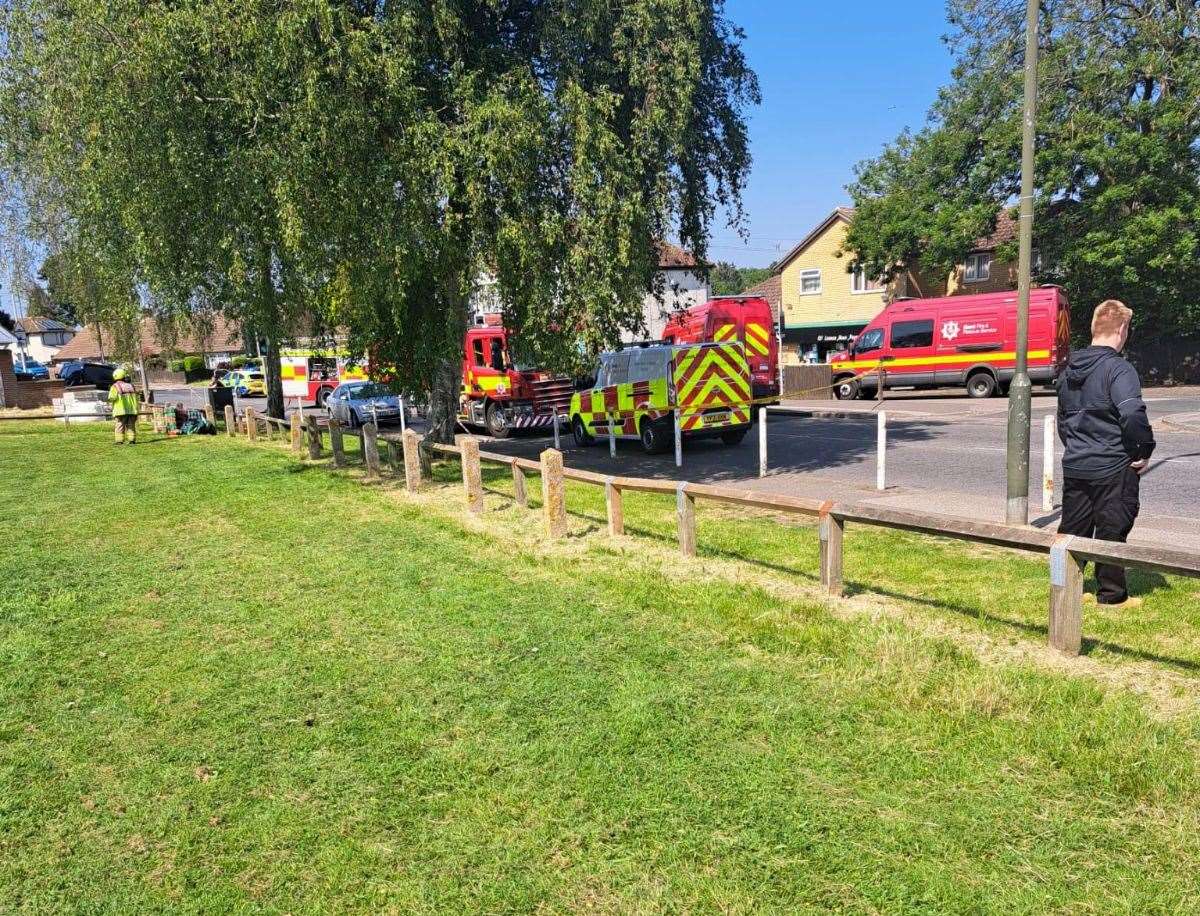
(1067, 554)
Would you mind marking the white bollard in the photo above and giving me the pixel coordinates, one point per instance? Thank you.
(678, 441)
(403, 425)
(557, 448)
(881, 452)
(1048, 464)
(762, 442)
(612, 437)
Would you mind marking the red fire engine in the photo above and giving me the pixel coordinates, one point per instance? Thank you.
(500, 395)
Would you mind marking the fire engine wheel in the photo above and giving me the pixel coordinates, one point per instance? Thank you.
(846, 389)
(579, 431)
(497, 426)
(981, 385)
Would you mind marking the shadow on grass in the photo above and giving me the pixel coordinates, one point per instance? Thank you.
(1022, 626)
(1140, 582)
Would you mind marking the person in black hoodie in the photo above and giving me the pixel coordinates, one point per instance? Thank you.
(1107, 442)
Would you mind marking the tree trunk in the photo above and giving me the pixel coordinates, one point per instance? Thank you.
(443, 400)
(275, 405)
(447, 376)
(269, 323)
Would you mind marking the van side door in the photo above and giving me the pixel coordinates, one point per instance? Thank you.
(912, 350)
(968, 338)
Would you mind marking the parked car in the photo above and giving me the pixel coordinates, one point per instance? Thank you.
(29, 370)
(356, 403)
(77, 373)
(248, 384)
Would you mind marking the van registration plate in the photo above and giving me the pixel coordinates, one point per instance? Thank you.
(720, 416)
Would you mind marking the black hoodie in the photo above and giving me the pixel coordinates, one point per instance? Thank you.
(1102, 418)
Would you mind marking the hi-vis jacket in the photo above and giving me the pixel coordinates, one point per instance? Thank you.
(708, 383)
(123, 398)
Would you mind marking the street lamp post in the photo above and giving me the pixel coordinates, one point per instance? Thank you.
(1021, 390)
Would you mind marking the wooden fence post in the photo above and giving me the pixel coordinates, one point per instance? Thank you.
(395, 457)
(297, 420)
(1066, 598)
(370, 446)
(210, 415)
(616, 511)
(251, 425)
(230, 421)
(520, 494)
(553, 499)
(314, 437)
(685, 509)
(831, 533)
(336, 443)
(412, 461)
(472, 474)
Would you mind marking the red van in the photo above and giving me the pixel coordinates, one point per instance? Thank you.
(725, 318)
(956, 341)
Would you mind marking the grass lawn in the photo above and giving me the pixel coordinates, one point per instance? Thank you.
(230, 681)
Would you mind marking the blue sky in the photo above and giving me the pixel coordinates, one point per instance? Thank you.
(839, 80)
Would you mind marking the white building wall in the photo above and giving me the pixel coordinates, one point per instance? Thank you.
(681, 289)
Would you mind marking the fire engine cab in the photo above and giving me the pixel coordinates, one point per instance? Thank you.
(500, 395)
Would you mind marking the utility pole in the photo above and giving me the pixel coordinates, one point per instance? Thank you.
(1020, 392)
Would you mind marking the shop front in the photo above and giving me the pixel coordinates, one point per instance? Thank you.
(816, 343)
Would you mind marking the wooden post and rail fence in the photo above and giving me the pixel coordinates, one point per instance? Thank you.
(1067, 554)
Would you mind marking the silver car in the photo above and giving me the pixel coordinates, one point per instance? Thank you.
(356, 403)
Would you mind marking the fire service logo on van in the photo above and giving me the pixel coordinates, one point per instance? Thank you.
(951, 330)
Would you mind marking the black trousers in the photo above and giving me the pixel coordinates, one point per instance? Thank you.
(1104, 509)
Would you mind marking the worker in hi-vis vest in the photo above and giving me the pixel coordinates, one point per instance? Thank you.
(124, 402)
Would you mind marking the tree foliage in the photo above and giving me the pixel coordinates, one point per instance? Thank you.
(1117, 207)
(310, 164)
(728, 280)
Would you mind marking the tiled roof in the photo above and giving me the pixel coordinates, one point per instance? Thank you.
(37, 325)
(1006, 231)
(770, 289)
(86, 344)
(672, 256)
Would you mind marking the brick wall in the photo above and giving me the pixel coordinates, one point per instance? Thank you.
(32, 395)
(8, 381)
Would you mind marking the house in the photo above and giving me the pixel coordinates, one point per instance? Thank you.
(219, 346)
(824, 306)
(38, 338)
(685, 283)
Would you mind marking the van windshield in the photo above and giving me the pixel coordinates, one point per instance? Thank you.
(870, 340)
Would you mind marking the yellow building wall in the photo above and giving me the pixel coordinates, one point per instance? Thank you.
(836, 302)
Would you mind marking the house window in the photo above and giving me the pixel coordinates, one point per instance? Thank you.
(810, 282)
(978, 268)
(860, 284)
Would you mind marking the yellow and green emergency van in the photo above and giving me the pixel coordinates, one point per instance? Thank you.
(638, 390)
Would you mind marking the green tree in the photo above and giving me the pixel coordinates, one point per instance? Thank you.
(358, 166)
(1117, 208)
(728, 280)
